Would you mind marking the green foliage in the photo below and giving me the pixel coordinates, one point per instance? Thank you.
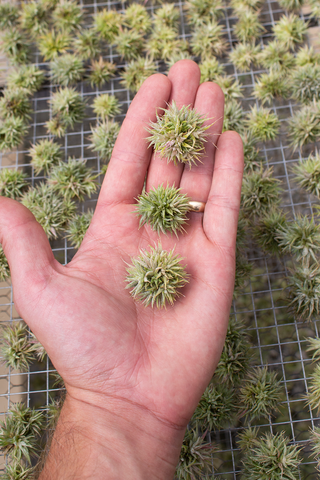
(56, 127)
(137, 17)
(136, 72)
(307, 174)
(276, 57)
(129, 44)
(204, 11)
(300, 238)
(195, 457)
(15, 103)
(67, 15)
(9, 15)
(12, 183)
(28, 77)
(306, 84)
(106, 106)
(314, 346)
(67, 69)
(156, 276)
(12, 131)
(167, 16)
(107, 23)
(100, 72)
(165, 209)
(292, 5)
(304, 126)
(315, 9)
(50, 210)
(307, 56)
(243, 272)
(53, 43)
(210, 69)
(179, 135)
(207, 40)
(15, 46)
(16, 471)
(262, 123)
(72, 179)
(315, 444)
(103, 138)
(233, 116)
(252, 159)
(68, 106)
(248, 28)
(290, 30)
(266, 231)
(87, 44)
(229, 85)
(4, 266)
(271, 85)
(260, 192)
(241, 5)
(34, 18)
(244, 55)
(313, 395)
(247, 438)
(17, 349)
(304, 292)
(78, 227)
(44, 155)
(164, 43)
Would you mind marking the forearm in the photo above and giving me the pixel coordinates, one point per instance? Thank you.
(94, 442)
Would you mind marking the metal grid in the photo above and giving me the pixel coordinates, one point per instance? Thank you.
(278, 339)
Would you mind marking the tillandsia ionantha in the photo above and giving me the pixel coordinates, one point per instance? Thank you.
(260, 192)
(167, 16)
(107, 24)
(315, 9)
(12, 131)
(313, 395)
(156, 276)
(163, 43)
(165, 209)
(260, 393)
(67, 69)
(195, 457)
(103, 138)
(51, 210)
(262, 123)
(15, 46)
(291, 5)
(290, 30)
(12, 183)
(243, 272)
(9, 15)
(307, 56)
(276, 57)
(34, 18)
(77, 228)
(28, 77)
(252, 157)
(230, 86)
(67, 15)
(207, 40)
(44, 155)
(17, 349)
(304, 126)
(271, 85)
(248, 27)
(210, 69)
(233, 116)
(72, 179)
(136, 72)
(314, 346)
(307, 174)
(306, 84)
(15, 103)
(204, 11)
(129, 44)
(106, 106)
(53, 43)
(315, 445)
(68, 106)
(304, 292)
(136, 17)
(19, 433)
(266, 231)
(87, 45)
(4, 266)
(17, 471)
(179, 135)
(244, 55)
(241, 5)
(100, 72)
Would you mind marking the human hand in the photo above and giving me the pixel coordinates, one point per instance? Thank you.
(146, 367)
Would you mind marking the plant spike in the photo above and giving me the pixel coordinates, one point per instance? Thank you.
(103, 138)
(100, 72)
(67, 69)
(72, 179)
(12, 183)
(77, 228)
(304, 292)
(17, 349)
(44, 155)
(53, 43)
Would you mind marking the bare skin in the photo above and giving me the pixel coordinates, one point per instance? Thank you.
(133, 374)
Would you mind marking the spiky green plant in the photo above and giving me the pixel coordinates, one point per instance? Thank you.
(304, 292)
(241, 5)
(17, 349)
(304, 126)
(167, 16)
(307, 174)
(106, 106)
(12, 183)
(291, 5)
(50, 210)
(72, 179)
(179, 135)
(87, 44)
(271, 457)
(271, 85)
(229, 85)
(247, 438)
(156, 276)
(136, 72)
(306, 84)
(165, 209)
(15, 46)
(34, 18)
(315, 445)
(9, 15)
(100, 72)
(263, 124)
(307, 56)
(290, 30)
(315, 9)
(68, 106)
(4, 266)
(53, 412)
(276, 57)
(28, 77)
(39, 350)
(56, 127)
(313, 395)
(44, 155)
(207, 40)
(163, 43)
(15, 103)
(248, 28)
(16, 471)
(204, 11)
(210, 69)
(103, 138)
(129, 44)
(195, 457)
(314, 346)
(67, 69)
(234, 361)
(136, 17)
(266, 231)
(19, 432)
(260, 192)
(301, 238)
(77, 228)
(67, 15)
(107, 24)
(12, 131)
(53, 43)
(244, 55)
(243, 272)
(252, 158)
(233, 116)
(260, 393)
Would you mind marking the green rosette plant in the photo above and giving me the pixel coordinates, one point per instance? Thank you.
(103, 138)
(136, 72)
(12, 131)
(53, 43)
(260, 192)
(72, 179)
(304, 126)
(290, 30)
(67, 15)
(4, 266)
(262, 123)
(12, 183)
(9, 15)
(266, 231)
(15, 103)
(77, 228)
(67, 69)
(195, 457)
(17, 349)
(28, 77)
(100, 72)
(44, 155)
(106, 106)
(304, 292)
(307, 174)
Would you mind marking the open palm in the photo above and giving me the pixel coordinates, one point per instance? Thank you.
(101, 341)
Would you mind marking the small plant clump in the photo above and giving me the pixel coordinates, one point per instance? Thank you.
(15, 103)
(34, 18)
(271, 85)
(307, 174)
(100, 72)
(248, 28)
(315, 445)
(68, 107)
(276, 57)
(210, 69)
(266, 231)
(301, 238)
(17, 349)
(179, 135)
(252, 159)
(87, 44)
(156, 276)
(44, 155)
(12, 183)
(16, 471)
(12, 131)
(67, 15)
(314, 346)
(15, 46)
(129, 44)
(313, 395)
(306, 84)
(240, 5)
(204, 11)
(4, 266)
(167, 16)
(307, 56)
(304, 126)
(106, 106)
(67, 69)
(27, 77)
(244, 55)
(165, 209)
(304, 292)
(53, 43)
(9, 15)
(77, 228)
(260, 192)
(290, 30)
(262, 123)
(207, 40)
(103, 138)
(291, 5)
(72, 179)
(164, 43)
(195, 457)
(137, 18)
(136, 72)
(107, 24)
(233, 116)
(230, 86)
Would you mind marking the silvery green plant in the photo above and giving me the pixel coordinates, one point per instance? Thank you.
(129, 44)
(163, 43)
(314, 346)
(303, 290)
(72, 179)
(77, 228)
(87, 45)
(68, 106)
(266, 231)
(248, 27)
(204, 11)
(207, 40)
(290, 31)
(17, 349)
(9, 15)
(271, 85)
(28, 77)
(17, 471)
(136, 17)
(179, 135)
(291, 5)
(4, 266)
(34, 18)
(307, 56)
(195, 457)
(233, 116)
(67, 15)
(315, 445)
(304, 126)
(276, 57)
(53, 43)
(12, 183)
(243, 272)
(106, 106)
(240, 5)
(306, 84)
(313, 395)
(12, 131)
(136, 72)
(15, 103)
(300, 238)
(244, 55)
(103, 138)
(100, 72)
(260, 192)
(262, 123)
(156, 276)
(165, 209)
(67, 69)
(307, 174)
(252, 158)
(229, 85)
(44, 155)
(15, 46)
(210, 68)
(315, 9)
(56, 127)
(107, 24)
(167, 16)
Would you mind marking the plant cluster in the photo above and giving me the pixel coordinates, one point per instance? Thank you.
(306, 84)
(68, 108)
(77, 228)
(100, 72)
(266, 231)
(67, 69)
(44, 155)
(72, 179)
(233, 116)
(18, 349)
(304, 126)
(244, 55)
(307, 174)
(87, 45)
(12, 183)
(27, 77)
(103, 138)
(290, 30)
(313, 395)
(195, 456)
(4, 266)
(262, 123)
(248, 27)
(271, 85)
(301, 238)
(107, 24)
(276, 57)
(106, 106)
(208, 40)
(210, 69)
(304, 290)
(260, 192)
(53, 43)
(204, 11)
(136, 72)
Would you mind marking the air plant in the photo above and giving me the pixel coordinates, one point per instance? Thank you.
(137, 18)
(136, 72)
(72, 179)
(19, 432)
(106, 106)
(234, 361)
(204, 11)
(15, 103)
(9, 15)
(304, 291)
(28, 77)
(12, 183)
(276, 57)
(156, 276)
(53, 43)
(34, 18)
(77, 228)
(195, 457)
(4, 266)
(260, 192)
(129, 44)
(163, 43)
(100, 72)
(229, 85)
(103, 138)
(207, 40)
(306, 84)
(271, 85)
(244, 55)
(39, 350)
(67, 69)
(16, 471)
(248, 28)
(178, 55)
(179, 135)
(271, 457)
(247, 438)
(51, 210)
(240, 5)
(315, 9)
(67, 15)
(313, 395)
(291, 5)
(44, 155)
(167, 16)
(243, 272)
(15, 46)
(252, 159)
(233, 116)
(266, 231)
(68, 106)
(260, 393)
(307, 174)
(315, 445)
(314, 346)
(290, 30)
(262, 123)
(304, 126)
(53, 412)
(165, 209)
(56, 127)
(301, 238)
(12, 131)
(210, 69)
(17, 350)
(87, 44)
(107, 24)
(216, 409)
(307, 56)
